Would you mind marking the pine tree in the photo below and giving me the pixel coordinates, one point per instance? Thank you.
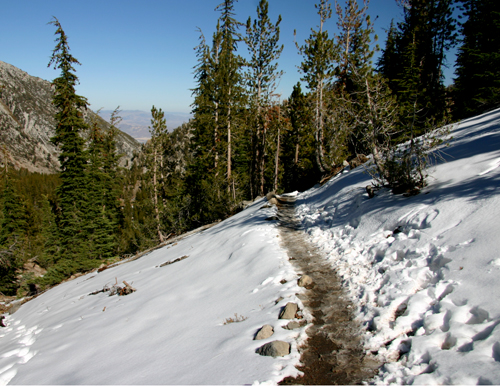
(419, 48)
(228, 80)
(73, 158)
(262, 40)
(478, 61)
(102, 179)
(317, 67)
(299, 156)
(353, 56)
(12, 236)
(158, 130)
(213, 185)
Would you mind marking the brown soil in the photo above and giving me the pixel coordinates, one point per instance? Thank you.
(333, 353)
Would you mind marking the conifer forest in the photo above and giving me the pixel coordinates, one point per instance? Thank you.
(354, 97)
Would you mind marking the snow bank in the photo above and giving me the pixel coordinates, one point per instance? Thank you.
(173, 329)
(423, 270)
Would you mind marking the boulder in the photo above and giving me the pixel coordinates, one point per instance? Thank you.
(273, 201)
(292, 325)
(265, 332)
(270, 195)
(370, 190)
(277, 348)
(304, 281)
(289, 311)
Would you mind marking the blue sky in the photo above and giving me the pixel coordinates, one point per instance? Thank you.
(139, 53)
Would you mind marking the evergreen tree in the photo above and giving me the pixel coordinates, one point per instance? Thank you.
(12, 237)
(477, 86)
(317, 67)
(354, 54)
(101, 222)
(229, 85)
(73, 158)
(213, 185)
(158, 130)
(299, 156)
(419, 48)
(262, 40)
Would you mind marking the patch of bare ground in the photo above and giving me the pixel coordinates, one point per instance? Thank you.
(333, 353)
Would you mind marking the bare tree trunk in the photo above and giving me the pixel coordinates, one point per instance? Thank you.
(320, 156)
(262, 159)
(277, 158)
(216, 138)
(155, 193)
(229, 145)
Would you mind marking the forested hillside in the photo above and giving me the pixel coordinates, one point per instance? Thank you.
(244, 140)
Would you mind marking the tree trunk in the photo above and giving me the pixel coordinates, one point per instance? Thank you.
(276, 161)
(155, 193)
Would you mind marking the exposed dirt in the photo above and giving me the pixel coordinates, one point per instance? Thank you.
(333, 353)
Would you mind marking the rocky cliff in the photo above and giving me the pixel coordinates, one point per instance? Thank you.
(27, 123)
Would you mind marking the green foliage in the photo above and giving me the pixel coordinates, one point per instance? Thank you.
(262, 40)
(317, 67)
(413, 61)
(477, 86)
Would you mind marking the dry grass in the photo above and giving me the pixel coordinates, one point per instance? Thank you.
(237, 318)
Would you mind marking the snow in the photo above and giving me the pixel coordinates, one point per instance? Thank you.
(421, 270)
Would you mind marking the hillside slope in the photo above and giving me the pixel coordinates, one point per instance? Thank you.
(422, 272)
(27, 123)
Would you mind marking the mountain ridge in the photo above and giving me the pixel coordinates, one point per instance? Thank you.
(27, 123)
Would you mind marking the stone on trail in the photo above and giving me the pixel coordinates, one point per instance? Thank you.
(292, 325)
(265, 332)
(270, 195)
(289, 311)
(304, 281)
(277, 348)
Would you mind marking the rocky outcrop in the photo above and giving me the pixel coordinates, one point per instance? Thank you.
(27, 123)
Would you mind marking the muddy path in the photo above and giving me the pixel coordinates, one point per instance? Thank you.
(333, 353)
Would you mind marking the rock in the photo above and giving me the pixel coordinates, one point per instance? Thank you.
(289, 311)
(273, 201)
(370, 190)
(272, 218)
(270, 195)
(244, 204)
(292, 325)
(277, 348)
(304, 281)
(279, 299)
(265, 332)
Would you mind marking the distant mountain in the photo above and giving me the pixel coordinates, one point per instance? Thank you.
(136, 122)
(27, 123)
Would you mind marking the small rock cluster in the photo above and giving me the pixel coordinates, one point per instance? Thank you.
(279, 348)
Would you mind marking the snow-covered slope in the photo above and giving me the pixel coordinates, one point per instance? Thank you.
(423, 271)
(171, 330)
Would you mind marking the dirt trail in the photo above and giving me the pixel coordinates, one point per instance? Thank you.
(333, 353)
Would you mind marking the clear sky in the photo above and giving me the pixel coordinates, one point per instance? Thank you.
(139, 53)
